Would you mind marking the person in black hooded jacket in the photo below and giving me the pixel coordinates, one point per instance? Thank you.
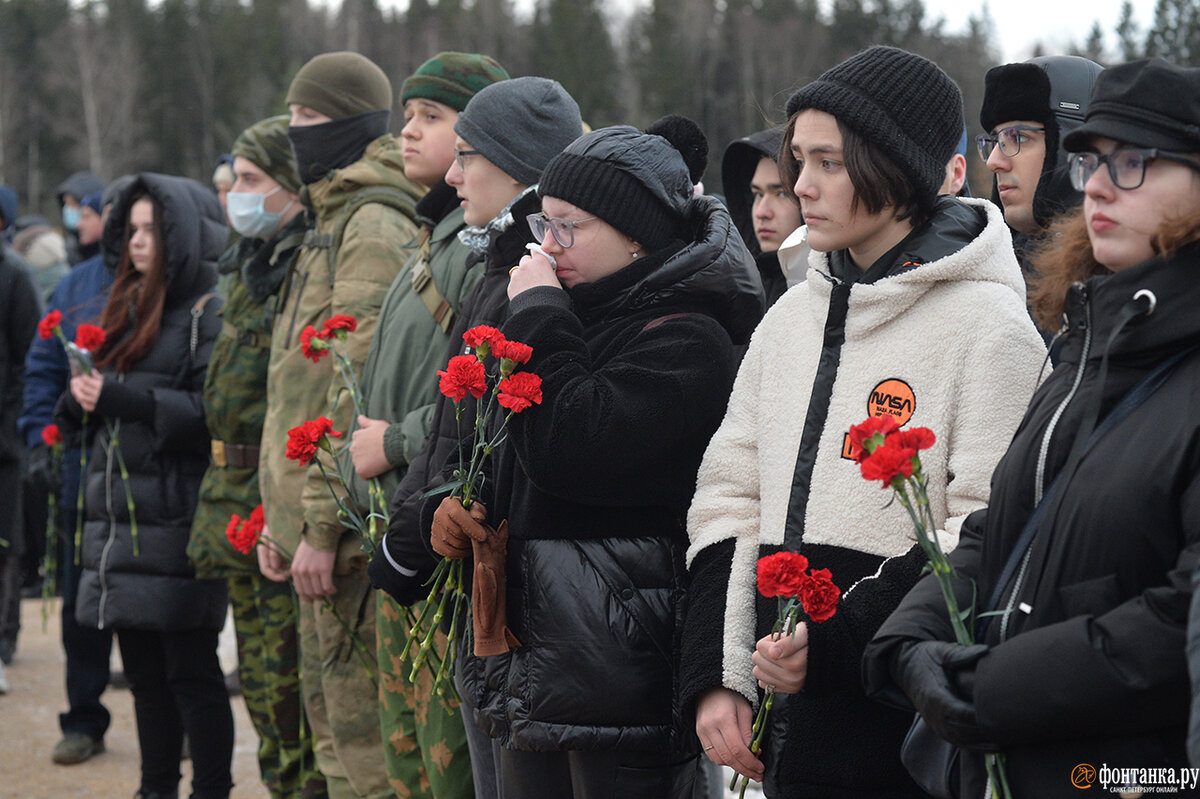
(763, 209)
(147, 393)
(632, 307)
(1084, 667)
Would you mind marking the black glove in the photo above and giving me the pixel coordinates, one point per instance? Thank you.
(938, 676)
(39, 471)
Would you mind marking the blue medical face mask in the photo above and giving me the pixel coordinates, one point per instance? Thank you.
(248, 216)
(70, 217)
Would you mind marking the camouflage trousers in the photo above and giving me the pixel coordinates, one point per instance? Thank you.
(340, 693)
(264, 618)
(424, 740)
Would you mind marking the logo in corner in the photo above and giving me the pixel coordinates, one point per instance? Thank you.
(1083, 776)
(893, 397)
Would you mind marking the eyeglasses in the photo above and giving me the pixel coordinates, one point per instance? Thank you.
(563, 230)
(461, 155)
(1009, 140)
(1126, 165)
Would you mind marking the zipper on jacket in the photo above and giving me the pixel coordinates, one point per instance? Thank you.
(112, 525)
(1039, 485)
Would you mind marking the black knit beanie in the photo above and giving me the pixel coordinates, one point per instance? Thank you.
(902, 103)
(638, 182)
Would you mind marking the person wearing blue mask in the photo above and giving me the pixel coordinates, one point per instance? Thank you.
(69, 194)
(262, 206)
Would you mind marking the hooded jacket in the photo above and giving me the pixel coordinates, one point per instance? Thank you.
(1095, 650)
(595, 481)
(78, 185)
(777, 476)
(353, 280)
(737, 170)
(156, 411)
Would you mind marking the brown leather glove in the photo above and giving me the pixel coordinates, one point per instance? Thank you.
(489, 604)
(454, 528)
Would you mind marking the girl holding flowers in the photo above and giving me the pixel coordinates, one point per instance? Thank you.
(144, 403)
(632, 307)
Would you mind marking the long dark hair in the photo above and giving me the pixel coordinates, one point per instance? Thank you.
(133, 315)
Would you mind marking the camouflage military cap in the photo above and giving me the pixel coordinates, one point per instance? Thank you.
(452, 78)
(265, 144)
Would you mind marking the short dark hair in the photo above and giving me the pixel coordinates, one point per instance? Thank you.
(878, 182)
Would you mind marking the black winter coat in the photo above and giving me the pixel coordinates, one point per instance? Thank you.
(595, 483)
(1089, 665)
(156, 409)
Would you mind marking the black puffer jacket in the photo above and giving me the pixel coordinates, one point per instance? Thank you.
(156, 410)
(595, 483)
(1089, 667)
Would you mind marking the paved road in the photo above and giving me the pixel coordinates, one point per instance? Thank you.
(29, 729)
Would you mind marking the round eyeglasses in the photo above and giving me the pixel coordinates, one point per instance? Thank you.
(1009, 140)
(1126, 165)
(563, 230)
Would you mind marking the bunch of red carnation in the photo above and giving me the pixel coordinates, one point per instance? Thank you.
(885, 452)
(786, 574)
(315, 344)
(307, 438)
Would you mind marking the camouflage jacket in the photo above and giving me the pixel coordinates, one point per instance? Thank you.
(375, 243)
(235, 397)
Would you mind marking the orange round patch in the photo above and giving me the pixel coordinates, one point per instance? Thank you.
(893, 397)
(1083, 775)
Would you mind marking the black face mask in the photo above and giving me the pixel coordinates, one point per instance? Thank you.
(320, 149)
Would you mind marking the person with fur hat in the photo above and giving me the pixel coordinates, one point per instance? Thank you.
(763, 209)
(160, 320)
(263, 207)
(1094, 503)
(521, 123)
(633, 305)
(895, 265)
(362, 213)
(1028, 111)
(426, 747)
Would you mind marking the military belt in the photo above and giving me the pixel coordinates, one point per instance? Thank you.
(239, 456)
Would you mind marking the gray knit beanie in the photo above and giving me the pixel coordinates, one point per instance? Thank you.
(900, 102)
(520, 124)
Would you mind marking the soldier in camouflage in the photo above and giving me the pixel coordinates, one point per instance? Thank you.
(424, 740)
(363, 209)
(266, 211)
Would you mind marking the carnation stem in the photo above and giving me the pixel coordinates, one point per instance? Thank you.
(116, 447)
(83, 460)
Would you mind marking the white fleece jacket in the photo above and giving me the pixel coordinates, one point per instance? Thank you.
(955, 340)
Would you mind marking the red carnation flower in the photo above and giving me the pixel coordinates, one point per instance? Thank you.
(484, 338)
(517, 392)
(819, 596)
(48, 323)
(781, 574)
(312, 345)
(515, 351)
(51, 435)
(242, 535)
(463, 375)
(339, 322)
(875, 429)
(89, 337)
(917, 438)
(305, 439)
(890, 461)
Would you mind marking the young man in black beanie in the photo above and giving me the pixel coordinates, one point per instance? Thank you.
(1028, 109)
(362, 208)
(900, 268)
